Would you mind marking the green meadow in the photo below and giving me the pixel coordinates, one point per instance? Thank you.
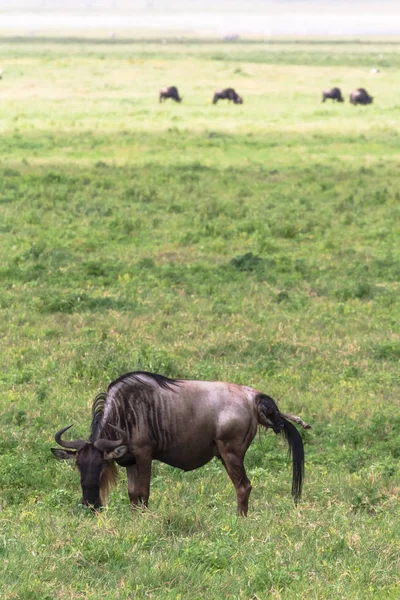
(257, 244)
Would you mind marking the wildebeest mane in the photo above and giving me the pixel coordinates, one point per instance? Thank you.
(97, 413)
(165, 383)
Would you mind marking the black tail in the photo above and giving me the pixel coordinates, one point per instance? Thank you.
(296, 450)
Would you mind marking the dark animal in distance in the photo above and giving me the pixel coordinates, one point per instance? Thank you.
(227, 94)
(180, 422)
(170, 92)
(332, 94)
(232, 37)
(360, 96)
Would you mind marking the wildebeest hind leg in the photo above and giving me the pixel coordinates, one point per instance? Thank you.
(232, 458)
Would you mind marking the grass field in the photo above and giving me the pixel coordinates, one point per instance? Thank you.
(257, 244)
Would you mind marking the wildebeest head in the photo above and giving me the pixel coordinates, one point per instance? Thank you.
(238, 100)
(95, 461)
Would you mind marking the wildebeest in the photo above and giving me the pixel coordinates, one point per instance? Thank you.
(227, 94)
(360, 96)
(332, 94)
(179, 422)
(231, 37)
(170, 92)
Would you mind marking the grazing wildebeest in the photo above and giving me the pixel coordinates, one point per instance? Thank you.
(227, 94)
(232, 37)
(179, 422)
(360, 96)
(332, 94)
(170, 92)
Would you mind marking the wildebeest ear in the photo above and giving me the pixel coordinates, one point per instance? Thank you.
(116, 453)
(62, 454)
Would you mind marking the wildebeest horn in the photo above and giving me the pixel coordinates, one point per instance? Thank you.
(75, 444)
(118, 429)
(107, 444)
(103, 444)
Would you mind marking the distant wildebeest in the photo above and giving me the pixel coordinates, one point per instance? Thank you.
(231, 37)
(360, 96)
(332, 94)
(179, 422)
(227, 94)
(170, 92)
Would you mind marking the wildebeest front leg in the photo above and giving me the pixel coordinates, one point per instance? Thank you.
(139, 482)
(232, 459)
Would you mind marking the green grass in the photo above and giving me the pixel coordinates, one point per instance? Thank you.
(256, 244)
